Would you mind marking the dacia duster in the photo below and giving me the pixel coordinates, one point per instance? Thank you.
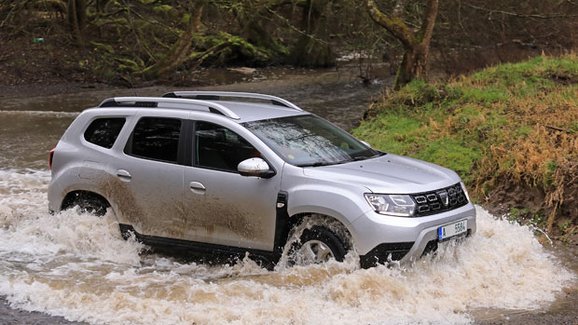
(236, 173)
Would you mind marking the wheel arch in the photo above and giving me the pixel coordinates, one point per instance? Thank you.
(330, 222)
(73, 198)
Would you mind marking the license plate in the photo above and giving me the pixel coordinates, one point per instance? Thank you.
(452, 230)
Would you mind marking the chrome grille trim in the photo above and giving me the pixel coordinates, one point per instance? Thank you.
(441, 200)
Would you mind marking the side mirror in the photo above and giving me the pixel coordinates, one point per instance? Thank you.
(255, 167)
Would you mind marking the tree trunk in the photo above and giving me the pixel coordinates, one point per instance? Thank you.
(180, 51)
(413, 66)
(255, 30)
(415, 43)
(76, 14)
(310, 49)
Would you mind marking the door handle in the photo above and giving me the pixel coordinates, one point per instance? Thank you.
(197, 187)
(123, 175)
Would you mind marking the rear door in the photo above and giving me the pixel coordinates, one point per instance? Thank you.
(149, 178)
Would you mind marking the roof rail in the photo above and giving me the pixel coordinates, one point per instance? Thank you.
(165, 102)
(216, 95)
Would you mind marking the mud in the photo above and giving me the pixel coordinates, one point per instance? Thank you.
(213, 217)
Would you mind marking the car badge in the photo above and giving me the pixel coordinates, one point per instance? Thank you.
(445, 198)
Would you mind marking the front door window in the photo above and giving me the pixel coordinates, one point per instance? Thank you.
(219, 148)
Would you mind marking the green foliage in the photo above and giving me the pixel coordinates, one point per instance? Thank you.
(518, 214)
(398, 133)
(417, 93)
(163, 8)
(526, 216)
(485, 95)
(451, 153)
(224, 48)
(548, 178)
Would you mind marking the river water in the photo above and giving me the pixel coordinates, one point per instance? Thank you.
(78, 267)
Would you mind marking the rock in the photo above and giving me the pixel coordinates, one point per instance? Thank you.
(243, 70)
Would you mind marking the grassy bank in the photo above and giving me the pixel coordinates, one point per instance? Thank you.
(510, 131)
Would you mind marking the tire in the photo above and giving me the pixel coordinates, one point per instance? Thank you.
(87, 203)
(317, 245)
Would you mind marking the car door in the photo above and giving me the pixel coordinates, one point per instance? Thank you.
(221, 206)
(148, 190)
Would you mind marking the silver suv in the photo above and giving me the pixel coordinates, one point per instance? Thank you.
(233, 173)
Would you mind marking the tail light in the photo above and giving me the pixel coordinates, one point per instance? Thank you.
(50, 157)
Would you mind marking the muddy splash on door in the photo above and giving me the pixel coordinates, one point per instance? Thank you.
(79, 267)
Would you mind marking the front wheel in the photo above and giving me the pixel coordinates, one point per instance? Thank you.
(317, 245)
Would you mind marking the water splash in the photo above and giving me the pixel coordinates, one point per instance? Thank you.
(78, 266)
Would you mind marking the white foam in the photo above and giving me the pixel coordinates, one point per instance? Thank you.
(77, 266)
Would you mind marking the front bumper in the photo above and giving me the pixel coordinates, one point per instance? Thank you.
(380, 238)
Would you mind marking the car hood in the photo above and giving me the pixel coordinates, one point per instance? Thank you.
(390, 174)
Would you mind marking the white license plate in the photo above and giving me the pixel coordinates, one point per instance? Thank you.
(453, 229)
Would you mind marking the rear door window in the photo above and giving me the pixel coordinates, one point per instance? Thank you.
(156, 139)
(104, 131)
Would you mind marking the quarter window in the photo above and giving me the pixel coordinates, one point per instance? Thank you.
(155, 138)
(217, 147)
(104, 131)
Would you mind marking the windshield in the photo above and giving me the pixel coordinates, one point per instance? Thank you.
(308, 140)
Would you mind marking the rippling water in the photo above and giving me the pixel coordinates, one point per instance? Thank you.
(78, 266)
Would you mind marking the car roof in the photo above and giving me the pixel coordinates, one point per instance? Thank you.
(239, 107)
(249, 112)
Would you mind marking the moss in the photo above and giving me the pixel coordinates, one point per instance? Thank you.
(485, 95)
(393, 133)
(518, 214)
(224, 48)
(550, 170)
(451, 153)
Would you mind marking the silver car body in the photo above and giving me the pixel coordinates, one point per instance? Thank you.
(185, 203)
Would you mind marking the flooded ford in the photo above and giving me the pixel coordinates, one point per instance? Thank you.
(78, 267)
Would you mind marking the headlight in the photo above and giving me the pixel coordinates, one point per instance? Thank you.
(394, 204)
(465, 191)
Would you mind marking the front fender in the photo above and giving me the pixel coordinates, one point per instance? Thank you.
(344, 205)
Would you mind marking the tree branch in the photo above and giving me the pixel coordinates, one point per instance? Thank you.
(428, 24)
(395, 25)
(515, 14)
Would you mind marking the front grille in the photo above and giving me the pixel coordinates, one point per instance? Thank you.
(441, 200)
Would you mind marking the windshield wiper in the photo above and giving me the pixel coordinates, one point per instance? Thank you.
(373, 154)
(326, 163)
(317, 164)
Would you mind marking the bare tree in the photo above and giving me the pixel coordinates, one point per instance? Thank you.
(416, 43)
(76, 14)
(310, 48)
